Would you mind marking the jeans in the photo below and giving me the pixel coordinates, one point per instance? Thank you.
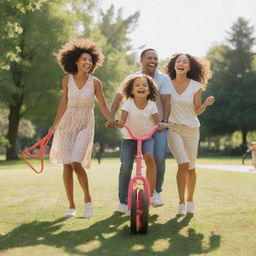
(160, 150)
(128, 152)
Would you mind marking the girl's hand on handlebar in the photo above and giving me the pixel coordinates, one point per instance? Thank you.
(163, 126)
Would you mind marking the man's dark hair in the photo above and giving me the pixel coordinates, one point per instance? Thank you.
(146, 50)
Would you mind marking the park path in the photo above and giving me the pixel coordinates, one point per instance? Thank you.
(229, 168)
(222, 167)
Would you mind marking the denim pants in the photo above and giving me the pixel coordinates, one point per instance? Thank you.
(160, 151)
(128, 152)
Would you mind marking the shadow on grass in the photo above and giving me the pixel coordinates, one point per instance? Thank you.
(183, 245)
(111, 237)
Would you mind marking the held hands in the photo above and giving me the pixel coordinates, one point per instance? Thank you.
(111, 123)
(119, 123)
(209, 100)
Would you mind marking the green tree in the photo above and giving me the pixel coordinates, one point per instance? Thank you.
(113, 33)
(215, 121)
(30, 74)
(116, 29)
(233, 84)
(30, 35)
(242, 41)
(11, 29)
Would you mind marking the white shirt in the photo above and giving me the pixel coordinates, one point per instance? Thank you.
(182, 105)
(139, 121)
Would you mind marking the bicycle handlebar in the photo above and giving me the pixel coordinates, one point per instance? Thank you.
(146, 137)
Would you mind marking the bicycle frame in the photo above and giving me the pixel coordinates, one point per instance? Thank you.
(139, 165)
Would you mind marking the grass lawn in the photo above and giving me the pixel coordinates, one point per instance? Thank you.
(32, 206)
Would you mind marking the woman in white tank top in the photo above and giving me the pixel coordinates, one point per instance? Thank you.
(188, 75)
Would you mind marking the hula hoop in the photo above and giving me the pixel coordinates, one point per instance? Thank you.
(42, 144)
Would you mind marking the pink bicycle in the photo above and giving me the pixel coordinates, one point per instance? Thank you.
(139, 199)
(40, 154)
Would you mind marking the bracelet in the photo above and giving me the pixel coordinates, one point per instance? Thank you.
(164, 121)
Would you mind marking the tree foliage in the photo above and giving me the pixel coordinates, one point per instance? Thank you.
(119, 62)
(233, 84)
(11, 13)
(30, 75)
(31, 32)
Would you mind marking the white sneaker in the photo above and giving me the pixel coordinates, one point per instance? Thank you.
(122, 208)
(70, 213)
(181, 209)
(190, 207)
(88, 210)
(156, 200)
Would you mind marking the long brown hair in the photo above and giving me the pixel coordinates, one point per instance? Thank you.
(199, 68)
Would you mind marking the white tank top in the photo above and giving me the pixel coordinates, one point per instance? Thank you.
(182, 105)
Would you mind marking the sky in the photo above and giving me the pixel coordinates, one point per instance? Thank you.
(188, 26)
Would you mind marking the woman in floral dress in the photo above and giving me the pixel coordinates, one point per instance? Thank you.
(74, 122)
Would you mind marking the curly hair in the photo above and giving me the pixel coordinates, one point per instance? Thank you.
(70, 53)
(199, 68)
(127, 86)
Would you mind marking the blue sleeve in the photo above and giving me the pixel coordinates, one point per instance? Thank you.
(165, 86)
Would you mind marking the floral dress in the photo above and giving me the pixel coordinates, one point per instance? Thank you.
(73, 137)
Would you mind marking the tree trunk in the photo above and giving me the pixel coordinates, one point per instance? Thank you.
(244, 143)
(14, 119)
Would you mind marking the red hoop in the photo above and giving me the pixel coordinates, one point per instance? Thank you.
(42, 144)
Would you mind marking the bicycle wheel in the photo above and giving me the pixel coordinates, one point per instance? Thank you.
(144, 215)
(133, 217)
